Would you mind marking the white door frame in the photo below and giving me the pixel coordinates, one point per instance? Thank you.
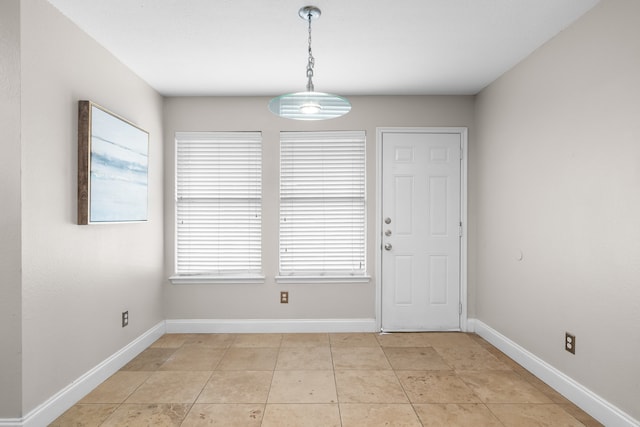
(462, 131)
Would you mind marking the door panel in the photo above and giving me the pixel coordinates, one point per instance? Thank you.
(404, 279)
(421, 189)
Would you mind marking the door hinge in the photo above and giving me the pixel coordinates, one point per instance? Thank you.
(461, 153)
(460, 309)
(460, 229)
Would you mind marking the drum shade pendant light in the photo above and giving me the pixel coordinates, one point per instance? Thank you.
(309, 105)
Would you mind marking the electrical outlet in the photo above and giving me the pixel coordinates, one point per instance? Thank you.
(125, 318)
(570, 342)
(284, 297)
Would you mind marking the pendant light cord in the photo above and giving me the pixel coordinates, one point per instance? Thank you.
(311, 61)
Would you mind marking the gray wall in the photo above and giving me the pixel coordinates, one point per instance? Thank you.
(10, 242)
(76, 280)
(554, 173)
(558, 177)
(307, 301)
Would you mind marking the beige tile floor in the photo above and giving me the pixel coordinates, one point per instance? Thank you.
(413, 379)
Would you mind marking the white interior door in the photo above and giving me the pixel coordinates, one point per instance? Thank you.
(421, 228)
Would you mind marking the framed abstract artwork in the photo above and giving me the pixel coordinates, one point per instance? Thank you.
(113, 163)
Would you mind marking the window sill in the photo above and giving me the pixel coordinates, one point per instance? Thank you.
(323, 279)
(217, 280)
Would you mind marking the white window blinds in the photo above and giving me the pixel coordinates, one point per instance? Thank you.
(218, 203)
(322, 203)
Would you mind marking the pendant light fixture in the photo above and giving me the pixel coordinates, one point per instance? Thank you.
(309, 105)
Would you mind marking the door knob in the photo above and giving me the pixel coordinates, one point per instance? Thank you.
(387, 220)
(388, 246)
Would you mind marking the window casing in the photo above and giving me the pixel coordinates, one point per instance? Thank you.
(322, 205)
(218, 206)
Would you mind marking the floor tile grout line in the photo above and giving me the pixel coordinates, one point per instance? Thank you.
(190, 370)
(335, 382)
(118, 404)
(111, 414)
(558, 405)
(273, 375)
(408, 398)
(186, 414)
(192, 404)
(196, 398)
(226, 350)
(494, 414)
(404, 390)
(124, 401)
(522, 374)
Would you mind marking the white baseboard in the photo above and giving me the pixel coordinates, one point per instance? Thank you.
(269, 325)
(55, 406)
(70, 395)
(594, 405)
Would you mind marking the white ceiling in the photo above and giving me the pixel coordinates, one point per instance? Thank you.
(361, 47)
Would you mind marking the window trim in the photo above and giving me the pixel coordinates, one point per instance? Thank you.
(198, 279)
(211, 277)
(326, 276)
(323, 279)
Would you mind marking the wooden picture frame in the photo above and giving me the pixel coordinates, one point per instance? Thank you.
(113, 160)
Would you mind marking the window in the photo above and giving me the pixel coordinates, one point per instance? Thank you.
(218, 206)
(322, 204)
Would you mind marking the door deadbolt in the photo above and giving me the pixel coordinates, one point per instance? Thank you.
(387, 220)
(387, 233)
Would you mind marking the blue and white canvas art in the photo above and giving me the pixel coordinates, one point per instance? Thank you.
(118, 169)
